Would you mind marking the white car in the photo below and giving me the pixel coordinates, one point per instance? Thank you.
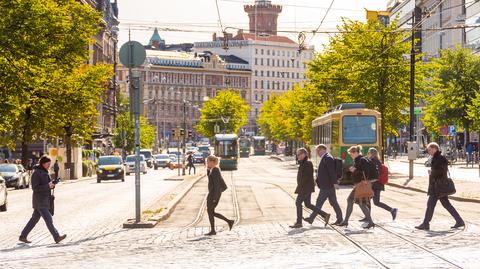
(130, 164)
(3, 195)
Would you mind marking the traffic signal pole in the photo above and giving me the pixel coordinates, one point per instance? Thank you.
(412, 91)
(184, 134)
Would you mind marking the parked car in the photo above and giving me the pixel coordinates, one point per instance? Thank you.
(109, 168)
(15, 175)
(191, 149)
(148, 157)
(3, 195)
(162, 160)
(130, 164)
(198, 158)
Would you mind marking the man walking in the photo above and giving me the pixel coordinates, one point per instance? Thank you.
(327, 182)
(56, 168)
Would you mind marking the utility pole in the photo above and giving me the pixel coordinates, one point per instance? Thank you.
(184, 134)
(412, 90)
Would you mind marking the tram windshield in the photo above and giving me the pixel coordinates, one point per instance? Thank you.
(359, 130)
(225, 148)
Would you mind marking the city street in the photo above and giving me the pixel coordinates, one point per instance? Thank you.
(260, 199)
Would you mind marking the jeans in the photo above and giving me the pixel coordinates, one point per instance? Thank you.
(363, 207)
(376, 201)
(47, 217)
(212, 214)
(190, 166)
(331, 195)
(305, 198)
(432, 202)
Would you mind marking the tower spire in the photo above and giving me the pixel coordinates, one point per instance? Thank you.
(263, 17)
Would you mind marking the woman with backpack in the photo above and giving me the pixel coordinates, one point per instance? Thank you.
(216, 185)
(360, 171)
(378, 184)
(438, 173)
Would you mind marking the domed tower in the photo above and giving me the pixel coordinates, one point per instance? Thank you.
(263, 16)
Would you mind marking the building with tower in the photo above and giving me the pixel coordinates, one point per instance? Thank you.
(263, 17)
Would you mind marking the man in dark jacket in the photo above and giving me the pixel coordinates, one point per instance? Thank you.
(327, 182)
(41, 186)
(56, 168)
(305, 186)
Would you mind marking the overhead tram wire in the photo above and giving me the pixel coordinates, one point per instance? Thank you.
(219, 17)
(321, 22)
(300, 6)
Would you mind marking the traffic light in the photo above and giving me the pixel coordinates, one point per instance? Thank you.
(174, 133)
(182, 132)
(190, 134)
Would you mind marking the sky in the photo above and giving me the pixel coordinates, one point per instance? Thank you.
(198, 19)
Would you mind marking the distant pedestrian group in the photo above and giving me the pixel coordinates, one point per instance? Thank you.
(369, 176)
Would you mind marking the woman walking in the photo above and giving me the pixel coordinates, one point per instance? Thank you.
(41, 186)
(305, 187)
(377, 186)
(216, 185)
(438, 171)
(360, 171)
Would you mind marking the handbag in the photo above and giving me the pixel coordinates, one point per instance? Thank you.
(444, 186)
(52, 203)
(363, 189)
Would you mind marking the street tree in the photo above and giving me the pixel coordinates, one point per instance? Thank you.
(39, 39)
(227, 110)
(452, 90)
(125, 133)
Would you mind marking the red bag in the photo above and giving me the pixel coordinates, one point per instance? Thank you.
(383, 177)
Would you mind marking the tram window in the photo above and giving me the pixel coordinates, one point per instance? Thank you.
(359, 129)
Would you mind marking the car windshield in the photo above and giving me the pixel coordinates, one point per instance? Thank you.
(8, 168)
(131, 158)
(203, 148)
(198, 155)
(109, 160)
(162, 156)
(359, 130)
(146, 153)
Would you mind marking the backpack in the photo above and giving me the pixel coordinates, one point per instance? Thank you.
(383, 177)
(339, 167)
(372, 169)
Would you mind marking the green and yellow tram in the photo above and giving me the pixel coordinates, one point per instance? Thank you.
(226, 147)
(345, 126)
(258, 145)
(245, 147)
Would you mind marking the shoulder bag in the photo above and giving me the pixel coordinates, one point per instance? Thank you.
(363, 189)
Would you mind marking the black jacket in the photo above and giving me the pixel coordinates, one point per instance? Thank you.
(305, 183)
(326, 173)
(41, 190)
(439, 170)
(377, 185)
(216, 184)
(362, 167)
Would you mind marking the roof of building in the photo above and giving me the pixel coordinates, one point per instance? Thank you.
(232, 59)
(155, 37)
(268, 38)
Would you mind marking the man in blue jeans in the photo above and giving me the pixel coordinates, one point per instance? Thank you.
(327, 182)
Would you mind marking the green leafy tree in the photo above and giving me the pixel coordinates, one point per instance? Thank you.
(228, 105)
(452, 89)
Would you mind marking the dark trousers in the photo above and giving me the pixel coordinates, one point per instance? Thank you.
(363, 206)
(47, 217)
(306, 198)
(190, 166)
(432, 202)
(376, 201)
(331, 195)
(212, 214)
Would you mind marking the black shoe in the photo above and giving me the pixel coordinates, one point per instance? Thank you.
(337, 222)
(309, 220)
(230, 224)
(327, 218)
(370, 225)
(423, 226)
(24, 240)
(211, 233)
(60, 238)
(343, 224)
(458, 225)
(394, 213)
(363, 220)
(296, 225)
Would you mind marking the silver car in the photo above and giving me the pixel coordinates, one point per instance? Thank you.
(130, 164)
(3, 195)
(15, 175)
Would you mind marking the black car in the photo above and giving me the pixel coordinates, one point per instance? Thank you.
(110, 168)
(14, 175)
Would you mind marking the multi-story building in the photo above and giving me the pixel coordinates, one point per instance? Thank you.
(277, 62)
(170, 78)
(472, 35)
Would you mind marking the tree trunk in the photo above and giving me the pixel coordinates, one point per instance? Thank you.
(26, 136)
(68, 144)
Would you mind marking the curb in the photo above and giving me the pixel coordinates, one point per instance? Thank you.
(455, 198)
(72, 181)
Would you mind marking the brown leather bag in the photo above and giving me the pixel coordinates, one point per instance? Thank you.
(363, 189)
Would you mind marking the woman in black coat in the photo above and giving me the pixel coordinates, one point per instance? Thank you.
(216, 185)
(438, 171)
(359, 170)
(41, 186)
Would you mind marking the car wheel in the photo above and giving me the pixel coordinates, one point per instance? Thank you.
(99, 180)
(156, 168)
(128, 174)
(17, 186)
(3, 208)
(123, 179)
(144, 173)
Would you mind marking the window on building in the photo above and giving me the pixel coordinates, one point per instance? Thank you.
(288, 63)
(273, 62)
(283, 85)
(261, 73)
(268, 85)
(268, 52)
(278, 62)
(268, 62)
(261, 84)
(273, 52)
(256, 51)
(256, 84)
(256, 61)
(283, 63)
(268, 73)
(256, 73)
(283, 53)
(261, 51)
(256, 96)
(261, 98)
(256, 112)
(261, 61)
